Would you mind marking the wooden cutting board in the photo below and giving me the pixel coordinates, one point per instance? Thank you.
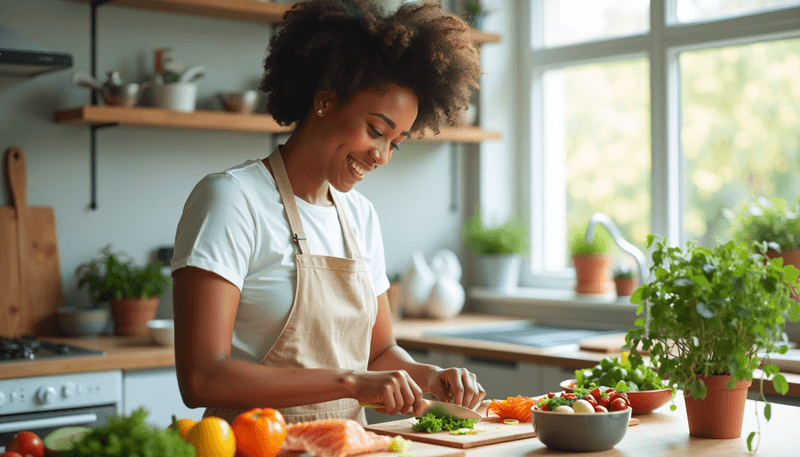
(30, 276)
(607, 344)
(496, 432)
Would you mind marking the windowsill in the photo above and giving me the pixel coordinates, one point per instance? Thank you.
(565, 307)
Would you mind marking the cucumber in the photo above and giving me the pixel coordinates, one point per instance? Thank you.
(63, 439)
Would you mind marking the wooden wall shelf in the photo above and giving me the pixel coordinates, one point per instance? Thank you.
(91, 115)
(243, 10)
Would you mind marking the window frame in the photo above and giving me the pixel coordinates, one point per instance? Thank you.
(662, 46)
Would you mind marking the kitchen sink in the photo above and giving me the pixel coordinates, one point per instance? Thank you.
(525, 333)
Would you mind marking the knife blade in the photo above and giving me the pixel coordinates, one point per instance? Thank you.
(437, 408)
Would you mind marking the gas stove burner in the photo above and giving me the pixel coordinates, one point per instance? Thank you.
(30, 347)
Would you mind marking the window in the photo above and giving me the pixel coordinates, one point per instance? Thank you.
(660, 114)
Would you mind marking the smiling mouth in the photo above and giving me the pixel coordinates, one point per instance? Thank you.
(356, 167)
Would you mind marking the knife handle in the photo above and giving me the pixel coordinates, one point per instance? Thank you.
(370, 405)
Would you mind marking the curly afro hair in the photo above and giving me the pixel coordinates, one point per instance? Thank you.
(348, 45)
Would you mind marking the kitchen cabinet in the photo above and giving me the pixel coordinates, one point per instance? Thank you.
(157, 391)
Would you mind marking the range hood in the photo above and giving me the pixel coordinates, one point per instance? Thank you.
(22, 58)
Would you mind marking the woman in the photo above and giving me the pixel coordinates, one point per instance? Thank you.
(279, 276)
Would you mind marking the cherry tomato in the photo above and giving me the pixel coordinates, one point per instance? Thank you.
(603, 401)
(619, 404)
(600, 409)
(596, 393)
(26, 443)
(590, 398)
(11, 454)
(551, 394)
(571, 397)
(544, 407)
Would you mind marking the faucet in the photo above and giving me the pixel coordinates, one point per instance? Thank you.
(605, 221)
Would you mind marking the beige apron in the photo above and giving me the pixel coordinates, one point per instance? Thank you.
(331, 319)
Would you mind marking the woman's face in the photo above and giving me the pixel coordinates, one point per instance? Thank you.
(364, 132)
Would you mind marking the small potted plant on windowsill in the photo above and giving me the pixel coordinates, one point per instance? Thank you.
(712, 311)
(475, 13)
(592, 262)
(499, 248)
(625, 280)
(133, 292)
(773, 221)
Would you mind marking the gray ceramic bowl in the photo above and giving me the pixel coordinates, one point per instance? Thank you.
(580, 432)
(162, 331)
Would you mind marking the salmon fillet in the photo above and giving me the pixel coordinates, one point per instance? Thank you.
(333, 438)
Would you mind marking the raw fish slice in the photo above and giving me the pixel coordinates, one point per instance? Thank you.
(333, 438)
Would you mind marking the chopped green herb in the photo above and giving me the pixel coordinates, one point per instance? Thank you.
(433, 424)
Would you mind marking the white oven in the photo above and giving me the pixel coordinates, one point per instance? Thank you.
(42, 404)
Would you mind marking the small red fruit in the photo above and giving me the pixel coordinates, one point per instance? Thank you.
(11, 454)
(26, 443)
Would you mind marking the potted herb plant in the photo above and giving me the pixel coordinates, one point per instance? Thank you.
(712, 310)
(625, 280)
(773, 221)
(500, 248)
(133, 292)
(592, 262)
(475, 13)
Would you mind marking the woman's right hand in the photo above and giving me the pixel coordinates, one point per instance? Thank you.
(395, 390)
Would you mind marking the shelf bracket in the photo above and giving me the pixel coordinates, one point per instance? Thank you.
(453, 177)
(93, 161)
(93, 139)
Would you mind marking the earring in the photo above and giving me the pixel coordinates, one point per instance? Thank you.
(319, 111)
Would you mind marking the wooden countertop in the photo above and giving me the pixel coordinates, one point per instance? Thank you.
(121, 353)
(136, 353)
(410, 333)
(666, 433)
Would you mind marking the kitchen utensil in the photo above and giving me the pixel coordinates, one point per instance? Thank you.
(192, 74)
(114, 92)
(438, 408)
(239, 102)
(81, 79)
(490, 431)
(580, 432)
(30, 280)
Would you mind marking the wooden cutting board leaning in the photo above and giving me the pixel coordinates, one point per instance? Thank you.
(30, 276)
(607, 344)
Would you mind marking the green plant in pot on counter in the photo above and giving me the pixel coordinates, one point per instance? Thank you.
(591, 260)
(713, 312)
(500, 248)
(132, 291)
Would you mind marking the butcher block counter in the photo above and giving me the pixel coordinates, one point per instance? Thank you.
(121, 353)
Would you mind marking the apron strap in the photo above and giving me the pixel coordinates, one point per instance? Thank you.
(289, 204)
(349, 236)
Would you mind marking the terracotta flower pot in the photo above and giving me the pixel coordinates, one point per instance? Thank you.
(720, 414)
(625, 286)
(131, 315)
(592, 274)
(790, 257)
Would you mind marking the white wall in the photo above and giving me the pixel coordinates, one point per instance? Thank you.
(144, 175)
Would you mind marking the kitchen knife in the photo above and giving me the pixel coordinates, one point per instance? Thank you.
(438, 408)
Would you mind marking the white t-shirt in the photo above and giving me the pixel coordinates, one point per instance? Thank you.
(233, 224)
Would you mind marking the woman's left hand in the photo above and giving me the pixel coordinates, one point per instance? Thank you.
(456, 385)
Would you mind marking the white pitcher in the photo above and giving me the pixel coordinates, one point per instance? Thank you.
(417, 285)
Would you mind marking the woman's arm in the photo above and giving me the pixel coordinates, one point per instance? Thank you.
(452, 384)
(205, 307)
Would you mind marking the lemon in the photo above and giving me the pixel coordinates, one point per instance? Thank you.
(212, 437)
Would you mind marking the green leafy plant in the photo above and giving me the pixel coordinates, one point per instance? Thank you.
(624, 271)
(712, 310)
(771, 220)
(510, 237)
(601, 242)
(110, 278)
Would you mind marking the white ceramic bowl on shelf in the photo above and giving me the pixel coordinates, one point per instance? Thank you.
(162, 331)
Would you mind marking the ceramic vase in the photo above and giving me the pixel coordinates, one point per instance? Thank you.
(178, 96)
(721, 412)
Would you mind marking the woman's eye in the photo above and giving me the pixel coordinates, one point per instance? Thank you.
(375, 132)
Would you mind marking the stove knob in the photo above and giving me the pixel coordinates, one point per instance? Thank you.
(47, 394)
(68, 390)
(16, 396)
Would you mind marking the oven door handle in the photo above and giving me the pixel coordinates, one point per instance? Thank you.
(48, 422)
